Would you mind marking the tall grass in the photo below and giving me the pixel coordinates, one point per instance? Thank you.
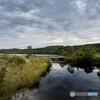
(20, 72)
(97, 54)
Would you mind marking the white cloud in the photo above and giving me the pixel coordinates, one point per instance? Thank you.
(80, 4)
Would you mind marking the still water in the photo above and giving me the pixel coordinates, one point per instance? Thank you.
(59, 81)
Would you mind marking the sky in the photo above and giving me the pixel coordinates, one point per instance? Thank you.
(43, 23)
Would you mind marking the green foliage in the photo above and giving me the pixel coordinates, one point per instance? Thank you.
(2, 62)
(60, 50)
(83, 57)
(84, 54)
(96, 61)
(15, 61)
(65, 53)
(27, 56)
(29, 51)
(70, 51)
(29, 47)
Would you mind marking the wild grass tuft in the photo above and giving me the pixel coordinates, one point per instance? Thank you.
(20, 72)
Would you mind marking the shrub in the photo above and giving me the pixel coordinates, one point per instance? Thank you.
(27, 56)
(83, 58)
(15, 61)
(96, 61)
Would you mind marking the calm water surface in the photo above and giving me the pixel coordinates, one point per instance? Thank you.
(58, 83)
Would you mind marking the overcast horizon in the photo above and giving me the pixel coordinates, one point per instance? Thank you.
(48, 46)
(43, 23)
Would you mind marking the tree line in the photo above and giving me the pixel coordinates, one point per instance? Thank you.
(59, 50)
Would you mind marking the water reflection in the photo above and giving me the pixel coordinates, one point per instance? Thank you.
(87, 69)
(98, 73)
(70, 69)
(57, 83)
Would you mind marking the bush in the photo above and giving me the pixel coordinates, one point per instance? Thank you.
(27, 56)
(96, 61)
(15, 61)
(83, 58)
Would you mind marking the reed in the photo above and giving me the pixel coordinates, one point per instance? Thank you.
(20, 72)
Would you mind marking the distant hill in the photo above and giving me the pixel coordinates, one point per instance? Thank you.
(60, 50)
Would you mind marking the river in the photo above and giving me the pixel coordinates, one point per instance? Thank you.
(59, 81)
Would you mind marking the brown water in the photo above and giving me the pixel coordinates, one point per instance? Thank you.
(57, 84)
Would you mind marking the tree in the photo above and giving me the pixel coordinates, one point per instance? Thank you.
(61, 51)
(29, 49)
(70, 51)
(84, 57)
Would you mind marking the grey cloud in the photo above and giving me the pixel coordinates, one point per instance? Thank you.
(48, 22)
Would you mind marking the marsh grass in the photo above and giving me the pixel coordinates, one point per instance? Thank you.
(19, 72)
(97, 54)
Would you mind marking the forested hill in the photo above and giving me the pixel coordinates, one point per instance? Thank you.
(60, 50)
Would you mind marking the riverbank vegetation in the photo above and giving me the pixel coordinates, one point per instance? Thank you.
(83, 57)
(20, 72)
(82, 54)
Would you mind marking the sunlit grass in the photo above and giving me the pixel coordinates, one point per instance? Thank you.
(97, 55)
(20, 72)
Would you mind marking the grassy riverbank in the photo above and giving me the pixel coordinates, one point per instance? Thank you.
(19, 72)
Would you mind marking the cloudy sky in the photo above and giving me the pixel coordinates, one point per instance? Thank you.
(48, 22)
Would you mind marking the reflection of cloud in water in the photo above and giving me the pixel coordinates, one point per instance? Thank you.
(95, 70)
(59, 82)
(56, 66)
(26, 94)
